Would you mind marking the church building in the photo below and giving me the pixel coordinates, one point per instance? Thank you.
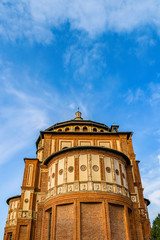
(84, 184)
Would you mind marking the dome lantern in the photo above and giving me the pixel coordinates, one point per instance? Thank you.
(78, 115)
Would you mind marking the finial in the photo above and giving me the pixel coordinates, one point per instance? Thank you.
(113, 123)
(78, 115)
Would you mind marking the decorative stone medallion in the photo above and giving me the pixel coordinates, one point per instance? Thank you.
(26, 200)
(83, 168)
(83, 187)
(60, 171)
(70, 169)
(70, 188)
(108, 170)
(133, 198)
(96, 186)
(95, 168)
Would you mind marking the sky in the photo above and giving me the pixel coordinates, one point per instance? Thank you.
(99, 55)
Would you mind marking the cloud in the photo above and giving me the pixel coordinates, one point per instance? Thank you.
(151, 179)
(27, 107)
(35, 20)
(155, 93)
(22, 120)
(87, 61)
(134, 96)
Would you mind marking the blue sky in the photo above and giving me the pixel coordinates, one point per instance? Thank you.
(102, 56)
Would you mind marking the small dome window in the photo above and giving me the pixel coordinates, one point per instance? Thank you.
(85, 129)
(59, 130)
(101, 130)
(77, 129)
(66, 129)
(94, 129)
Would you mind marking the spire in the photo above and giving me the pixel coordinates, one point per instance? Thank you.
(78, 115)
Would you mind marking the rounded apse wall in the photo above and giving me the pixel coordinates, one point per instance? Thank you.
(87, 216)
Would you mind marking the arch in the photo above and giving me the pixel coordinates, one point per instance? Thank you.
(85, 129)
(77, 129)
(101, 130)
(59, 130)
(94, 129)
(67, 129)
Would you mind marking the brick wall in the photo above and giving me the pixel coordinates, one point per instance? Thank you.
(92, 221)
(65, 222)
(118, 231)
(23, 232)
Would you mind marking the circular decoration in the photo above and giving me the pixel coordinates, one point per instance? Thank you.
(26, 200)
(70, 169)
(123, 175)
(53, 175)
(108, 170)
(60, 171)
(83, 167)
(117, 172)
(95, 168)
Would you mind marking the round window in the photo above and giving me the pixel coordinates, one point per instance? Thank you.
(83, 168)
(95, 168)
(117, 172)
(60, 171)
(70, 169)
(108, 170)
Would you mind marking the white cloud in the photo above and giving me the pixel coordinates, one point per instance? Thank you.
(36, 19)
(155, 197)
(151, 180)
(155, 93)
(26, 108)
(86, 61)
(134, 96)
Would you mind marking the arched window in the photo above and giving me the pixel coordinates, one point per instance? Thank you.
(85, 129)
(101, 130)
(66, 129)
(77, 129)
(94, 129)
(59, 130)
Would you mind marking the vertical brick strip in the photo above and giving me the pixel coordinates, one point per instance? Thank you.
(102, 169)
(89, 167)
(78, 220)
(104, 220)
(56, 174)
(126, 220)
(43, 226)
(54, 222)
(76, 176)
(120, 168)
(75, 220)
(39, 223)
(108, 222)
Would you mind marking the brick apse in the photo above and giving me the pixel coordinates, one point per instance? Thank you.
(84, 184)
